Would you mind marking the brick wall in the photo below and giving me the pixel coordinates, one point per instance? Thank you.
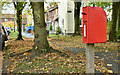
(11, 19)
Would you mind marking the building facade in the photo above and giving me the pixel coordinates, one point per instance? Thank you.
(62, 16)
(51, 18)
(10, 17)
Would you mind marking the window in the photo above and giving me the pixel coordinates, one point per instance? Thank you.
(49, 14)
(6, 19)
(52, 13)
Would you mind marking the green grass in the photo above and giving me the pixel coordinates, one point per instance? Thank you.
(54, 35)
(13, 34)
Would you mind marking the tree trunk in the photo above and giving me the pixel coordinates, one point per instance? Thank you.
(40, 34)
(119, 17)
(119, 20)
(112, 34)
(19, 25)
(77, 17)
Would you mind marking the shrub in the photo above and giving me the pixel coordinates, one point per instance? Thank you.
(58, 30)
(11, 29)
(50, 27)
(108, 26)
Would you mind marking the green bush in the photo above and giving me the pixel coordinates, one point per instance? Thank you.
(118, 33)
(50, 27)
(58, 31)
(11, 29)
(108, 26)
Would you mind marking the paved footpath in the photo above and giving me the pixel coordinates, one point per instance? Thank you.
(1, 62)
(110, 57)
(27, 35)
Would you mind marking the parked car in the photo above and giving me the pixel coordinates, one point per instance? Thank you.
(4, 36)
(29, 28)
(8, 29)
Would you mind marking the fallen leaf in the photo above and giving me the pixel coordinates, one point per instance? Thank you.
(110, 71)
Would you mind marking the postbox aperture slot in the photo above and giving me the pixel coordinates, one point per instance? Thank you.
(84, 13)
(84, 30)
(85, 20)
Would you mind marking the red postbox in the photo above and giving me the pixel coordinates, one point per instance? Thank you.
(94, 25)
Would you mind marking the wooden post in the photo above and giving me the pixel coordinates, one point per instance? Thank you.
(90, 58)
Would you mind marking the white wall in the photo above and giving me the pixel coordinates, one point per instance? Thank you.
(66, 20)
(71, 23)
(62, 13)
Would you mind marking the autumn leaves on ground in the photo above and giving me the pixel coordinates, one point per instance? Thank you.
(70, 57)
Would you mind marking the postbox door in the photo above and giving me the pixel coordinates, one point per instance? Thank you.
(85, 24)
(94, 25)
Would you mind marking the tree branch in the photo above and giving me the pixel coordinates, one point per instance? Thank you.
(23, 5)
(14, 5)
